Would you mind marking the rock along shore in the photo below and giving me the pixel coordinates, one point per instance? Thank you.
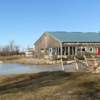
(34, 61)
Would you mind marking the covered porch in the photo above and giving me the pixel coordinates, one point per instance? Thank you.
(60, 52)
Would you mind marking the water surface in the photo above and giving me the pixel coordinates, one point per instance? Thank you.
(9, 68)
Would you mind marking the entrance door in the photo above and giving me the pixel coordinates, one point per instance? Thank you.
(50, 52)
(91, 49)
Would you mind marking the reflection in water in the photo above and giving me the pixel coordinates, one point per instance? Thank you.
(7, 68)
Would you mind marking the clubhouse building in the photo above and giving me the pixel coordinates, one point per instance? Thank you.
(66, 43)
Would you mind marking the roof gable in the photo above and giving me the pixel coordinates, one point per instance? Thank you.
(40, 38)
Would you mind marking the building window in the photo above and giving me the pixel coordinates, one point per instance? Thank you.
(42, 51)
(70, 50)
(66, 50)
(81, 49)
(74, 50)
(59, 51)
(63, 50)
(53, 51)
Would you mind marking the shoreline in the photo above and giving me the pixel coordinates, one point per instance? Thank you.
(35, 61)
(84, 70)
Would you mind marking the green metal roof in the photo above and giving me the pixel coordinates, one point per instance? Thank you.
(76, 36)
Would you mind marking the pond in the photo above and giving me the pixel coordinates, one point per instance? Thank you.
(10, 68)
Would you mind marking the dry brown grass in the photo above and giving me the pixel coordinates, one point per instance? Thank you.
(58, 85)
(10, 58)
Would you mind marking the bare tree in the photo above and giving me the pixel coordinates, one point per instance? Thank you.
(6, 50)
(22, 51)
(17, 49)
(12, 45)
(1, 49)
(12, 49)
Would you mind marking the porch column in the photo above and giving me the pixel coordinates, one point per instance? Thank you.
(61, 49)
(58, 51)
(72, 50)
(76, 50)
(65, 51)
(68, 50)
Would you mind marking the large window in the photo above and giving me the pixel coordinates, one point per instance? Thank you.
(66, 50)
(74, 50)
(59, 51)
(53, 51)
(70, 50)
(81, 49)
(63, 50)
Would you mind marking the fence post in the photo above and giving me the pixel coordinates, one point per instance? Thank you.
(76, 63)
(95, 60)
(62, 64)
(86, 60)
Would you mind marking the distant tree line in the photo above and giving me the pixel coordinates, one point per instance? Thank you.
(11, 49)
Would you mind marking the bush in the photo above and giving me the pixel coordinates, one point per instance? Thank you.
(89, 54)
(64, 59)
(69, 57)
(79, 57)
(54, 57)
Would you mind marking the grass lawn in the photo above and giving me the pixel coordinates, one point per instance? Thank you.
(10, 58)
(58, 85)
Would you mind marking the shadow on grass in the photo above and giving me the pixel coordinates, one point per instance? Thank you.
(92, 91)
(32, 82)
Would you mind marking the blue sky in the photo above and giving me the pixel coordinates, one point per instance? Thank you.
(26, 20)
